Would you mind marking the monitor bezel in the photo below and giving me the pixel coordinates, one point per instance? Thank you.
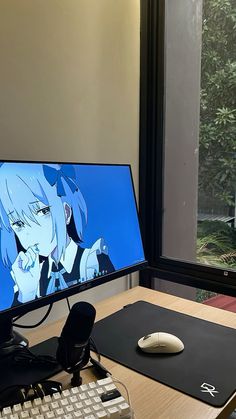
(24, 308)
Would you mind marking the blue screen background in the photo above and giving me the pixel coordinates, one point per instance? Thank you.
(112, 215)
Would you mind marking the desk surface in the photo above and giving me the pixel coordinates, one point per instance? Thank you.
(148, 397)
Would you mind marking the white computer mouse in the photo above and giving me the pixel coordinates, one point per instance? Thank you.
(160, 342)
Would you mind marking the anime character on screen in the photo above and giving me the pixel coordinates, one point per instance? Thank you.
(42, 213)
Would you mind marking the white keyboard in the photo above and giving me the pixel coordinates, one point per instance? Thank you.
(96, 400)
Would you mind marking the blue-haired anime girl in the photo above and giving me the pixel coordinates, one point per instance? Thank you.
(42, 213)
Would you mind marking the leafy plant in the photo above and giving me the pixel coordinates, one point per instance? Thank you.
(216, 244)
(203, 295)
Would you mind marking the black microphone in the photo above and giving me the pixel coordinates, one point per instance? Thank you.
(73, 350)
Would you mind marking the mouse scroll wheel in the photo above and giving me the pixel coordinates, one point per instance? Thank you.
(146, 337)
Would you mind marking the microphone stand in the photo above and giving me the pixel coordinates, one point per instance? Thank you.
(76, 379)
(73, 359)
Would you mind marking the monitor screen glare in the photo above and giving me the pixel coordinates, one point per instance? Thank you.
(64, 226)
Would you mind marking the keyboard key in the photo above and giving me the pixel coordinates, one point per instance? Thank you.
(97, 407)
(114, 413)
(100, 391)
(37, 402)
(92, 385)
(96, 400)
(60, 411)
(87, 411)
(113, 394)
(73, 399)
(65, 393)
(84, 387)
(54, 405)
(56, 396)
(44, 408)
(50, 415)
(63, 402)
(110, 387)
(105, 381)
(69, 408)
(91, 393)
(75, 390)
(124, 408)
(78, 406)
(27, 405)
(17, 408)
(102, 414)
(24, 415)
(34, 411)
(110, 403)
(47, 399)
(6, 411)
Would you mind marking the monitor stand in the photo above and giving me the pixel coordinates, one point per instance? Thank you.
(13, 373)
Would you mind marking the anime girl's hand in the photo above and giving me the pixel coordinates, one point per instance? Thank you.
(26, 273)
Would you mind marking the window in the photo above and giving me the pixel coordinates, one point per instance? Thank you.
(188, 143)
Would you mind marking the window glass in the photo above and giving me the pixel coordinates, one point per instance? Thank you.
(199, 215)
(200, 132)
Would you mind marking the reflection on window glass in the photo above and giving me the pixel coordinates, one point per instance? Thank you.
(216, 238)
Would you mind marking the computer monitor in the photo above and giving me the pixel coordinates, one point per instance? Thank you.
(64, 228)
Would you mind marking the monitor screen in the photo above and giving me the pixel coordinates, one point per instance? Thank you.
(64, 228)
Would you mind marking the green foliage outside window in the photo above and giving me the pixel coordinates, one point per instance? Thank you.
(216, 244)
(217, 154)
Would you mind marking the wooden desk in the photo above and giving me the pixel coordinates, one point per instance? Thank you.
(150, 399)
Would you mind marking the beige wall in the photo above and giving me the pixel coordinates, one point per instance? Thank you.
(69, 84)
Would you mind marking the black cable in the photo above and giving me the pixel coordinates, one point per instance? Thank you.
(24, 356)
(19, 317)
(36, 324)
(68, 303)
(94, 348)
(19, 393)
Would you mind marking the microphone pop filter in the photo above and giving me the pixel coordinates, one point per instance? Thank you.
(79, 323)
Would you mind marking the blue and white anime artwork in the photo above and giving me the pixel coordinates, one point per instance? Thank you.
(42, 219)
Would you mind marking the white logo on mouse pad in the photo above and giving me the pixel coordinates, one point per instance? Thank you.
(209, 388)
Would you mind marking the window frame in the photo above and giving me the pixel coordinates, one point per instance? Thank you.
(151, 164)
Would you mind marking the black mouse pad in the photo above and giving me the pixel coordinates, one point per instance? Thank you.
(206, 369)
